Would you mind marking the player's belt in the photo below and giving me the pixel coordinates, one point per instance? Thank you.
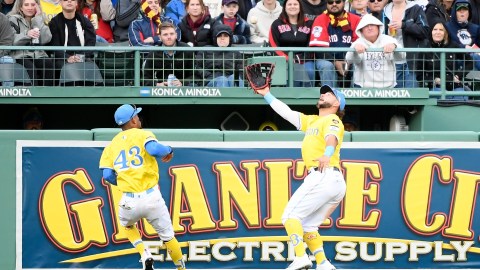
(140, 194)
(315, 169)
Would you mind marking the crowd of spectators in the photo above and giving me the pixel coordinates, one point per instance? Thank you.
(374, 29)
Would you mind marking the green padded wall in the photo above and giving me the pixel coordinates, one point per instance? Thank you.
(7, 192)
(202, 135)
(235, 136)
(444, 118)
(414, 136)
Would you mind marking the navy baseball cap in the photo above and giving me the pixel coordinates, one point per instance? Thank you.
(462, 5)
(125, 113)
(340, 96)
(226, 2)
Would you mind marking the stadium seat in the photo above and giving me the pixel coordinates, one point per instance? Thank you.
(84, 73)
(116, 67)
(14, 72)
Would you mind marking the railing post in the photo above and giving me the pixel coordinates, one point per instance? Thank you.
(290, 69)
(443, 77)
(137, 68)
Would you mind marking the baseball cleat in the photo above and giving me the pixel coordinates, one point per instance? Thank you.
(148, 264)
(298, 263)
(147, 260)
(325, 265)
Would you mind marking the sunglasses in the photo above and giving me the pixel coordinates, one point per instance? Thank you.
(336, 2)
(373, 1)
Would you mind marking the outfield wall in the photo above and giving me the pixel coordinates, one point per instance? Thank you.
(8, 156)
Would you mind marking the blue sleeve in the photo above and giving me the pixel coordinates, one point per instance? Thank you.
(110, 176)
(157, 149)
(173, 10)
(269, 98)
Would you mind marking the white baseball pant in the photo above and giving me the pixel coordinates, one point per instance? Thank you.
(316, 198)
(149, 205)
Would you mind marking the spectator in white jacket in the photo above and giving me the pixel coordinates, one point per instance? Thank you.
(374, 69)
(261, 18)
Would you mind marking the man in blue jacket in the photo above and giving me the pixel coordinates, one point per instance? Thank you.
(462, 31)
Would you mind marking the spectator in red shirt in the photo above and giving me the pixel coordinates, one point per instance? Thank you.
(103, 12)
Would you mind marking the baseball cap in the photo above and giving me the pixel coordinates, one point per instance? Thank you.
(461, 5)
(125, 113)
(226, 2)
(221, 32)
(340, 96)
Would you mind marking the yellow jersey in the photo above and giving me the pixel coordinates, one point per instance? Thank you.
(316, 129)
(136, 169)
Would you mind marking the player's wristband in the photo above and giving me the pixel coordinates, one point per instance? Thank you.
(269, 98)
(171, 151)
(329, 150)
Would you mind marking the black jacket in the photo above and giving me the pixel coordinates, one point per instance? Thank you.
(212, 64)
(416, 31)
(456, 64)
(436, 12)
(57, 28)
(159, 65)
(203, 36)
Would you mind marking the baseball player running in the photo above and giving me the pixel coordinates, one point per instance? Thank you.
(129, 163)
(324, 187)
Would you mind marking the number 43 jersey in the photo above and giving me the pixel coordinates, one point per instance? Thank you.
(136, 169)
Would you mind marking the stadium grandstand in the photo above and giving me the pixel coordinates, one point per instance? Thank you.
(85, 94)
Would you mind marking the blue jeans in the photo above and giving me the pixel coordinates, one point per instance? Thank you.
(7, 60)
(461, 89)
(405, 77)
(327, 72)
(224, 81)
(476, 60)
(100, 39)
(304, 74)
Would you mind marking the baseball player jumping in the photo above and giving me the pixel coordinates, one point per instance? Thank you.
(324, 187)
(129, 163)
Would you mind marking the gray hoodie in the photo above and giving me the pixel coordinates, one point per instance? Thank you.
(374, 69)
(260, 20)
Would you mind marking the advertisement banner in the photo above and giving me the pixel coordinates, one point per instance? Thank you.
(407, 205)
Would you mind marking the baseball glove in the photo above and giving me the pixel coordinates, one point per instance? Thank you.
(259, 75)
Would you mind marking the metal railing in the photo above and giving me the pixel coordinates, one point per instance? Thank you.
(123, 66)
